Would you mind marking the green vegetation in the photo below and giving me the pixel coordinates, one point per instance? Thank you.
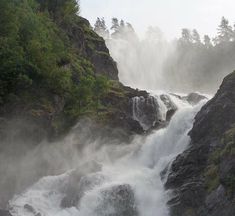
(227, 150)
(212, 177)
(38, 60)
(190, 212)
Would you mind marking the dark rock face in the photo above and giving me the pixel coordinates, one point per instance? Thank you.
(93, 47)
(30, 209)
(218, 203)
(202, 178)
(136, 111)
(4, 213)
(120, 116)
(171, 107)
(145, 111)
(194, 98)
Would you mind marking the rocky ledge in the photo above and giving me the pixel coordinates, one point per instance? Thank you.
(4, 213)
(202, 179)
(135, 111)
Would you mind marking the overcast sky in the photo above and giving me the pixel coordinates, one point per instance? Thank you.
(170, 15)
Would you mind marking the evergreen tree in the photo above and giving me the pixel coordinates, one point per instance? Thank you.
(60, 10)
(100, 28)
(186, 36)
(196, 37)
(98, 25)
(115, 24)
(225, 32)
(122, 24)
(207, 41)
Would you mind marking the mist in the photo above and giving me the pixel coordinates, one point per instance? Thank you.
(24, 159)
(191, 63)
(89, 173)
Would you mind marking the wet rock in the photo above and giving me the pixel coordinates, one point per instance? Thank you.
(152, 112)
(80, 181)
(195, 192)
(217, 203)
(93, 47)
(4, 213)
(171, 107)
(31, 209)
(146, 111)
(74, 194)
(118, 201)
(194, 98)
(189, 195)
(227, 170)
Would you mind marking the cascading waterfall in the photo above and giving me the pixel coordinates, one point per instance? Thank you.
(132, 185)
(147, 111)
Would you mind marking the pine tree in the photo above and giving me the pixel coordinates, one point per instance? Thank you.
(186, 36)
(225, 32)
(98, 25)
(122, 23)
(196, 37)
(60, 10)
(115, 24)
(100, 28)
(207, 41)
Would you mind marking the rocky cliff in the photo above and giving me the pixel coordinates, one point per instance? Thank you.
(202, 179)
(45, 110)
(35, 112)
(92, 47)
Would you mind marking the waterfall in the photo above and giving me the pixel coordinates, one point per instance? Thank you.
(132, 185)
(148, 111)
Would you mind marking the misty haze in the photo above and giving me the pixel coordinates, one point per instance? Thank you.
(117, 108)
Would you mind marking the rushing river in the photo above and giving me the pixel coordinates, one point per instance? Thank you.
(132, 184)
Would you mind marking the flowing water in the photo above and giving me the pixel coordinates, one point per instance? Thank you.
(131, 185)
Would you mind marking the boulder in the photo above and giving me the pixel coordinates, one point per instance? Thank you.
(202, 178)
(194, 98)
(118, 200)
(79, 182)
(146, 111)
(171, 107)
(4, 213)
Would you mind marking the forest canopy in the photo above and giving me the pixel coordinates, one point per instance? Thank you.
(38, 58)
(193, 62)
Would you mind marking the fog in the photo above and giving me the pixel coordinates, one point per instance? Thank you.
(24, 159)
(191, 63)
(90, 172)
(140, 61)
(170, 15)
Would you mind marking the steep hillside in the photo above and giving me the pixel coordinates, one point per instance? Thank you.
(54, 69)
(203, 177)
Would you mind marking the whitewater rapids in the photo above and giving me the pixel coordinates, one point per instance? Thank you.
(140, 170)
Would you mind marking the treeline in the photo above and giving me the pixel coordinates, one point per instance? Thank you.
(225, 34)
(38, 58)
(201, 63)
(117, 29)
(189, 63)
